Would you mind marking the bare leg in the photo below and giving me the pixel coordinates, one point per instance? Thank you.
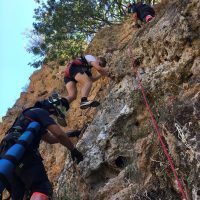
(72, 91)
(85, 82)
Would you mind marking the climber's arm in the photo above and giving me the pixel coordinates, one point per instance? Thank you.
(100, 69)
(49, 138)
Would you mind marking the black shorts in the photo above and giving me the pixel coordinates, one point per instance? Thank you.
(75, 69)
(68, 79)
(147, 10)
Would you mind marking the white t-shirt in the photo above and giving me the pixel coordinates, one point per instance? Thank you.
(90, 59)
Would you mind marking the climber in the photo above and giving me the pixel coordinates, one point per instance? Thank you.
(30, 173)
(79, 70)
(140, 11)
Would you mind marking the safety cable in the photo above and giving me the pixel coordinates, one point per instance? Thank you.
(155, 125)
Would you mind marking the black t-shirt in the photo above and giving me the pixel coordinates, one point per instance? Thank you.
(142, 10)
(38, 115)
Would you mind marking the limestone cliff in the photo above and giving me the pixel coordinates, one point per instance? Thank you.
(123, 158)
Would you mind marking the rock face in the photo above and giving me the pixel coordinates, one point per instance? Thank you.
(123, 158)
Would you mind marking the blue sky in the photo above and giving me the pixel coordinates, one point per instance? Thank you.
(15, 17)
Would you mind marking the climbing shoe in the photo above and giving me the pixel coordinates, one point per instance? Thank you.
(87, 104)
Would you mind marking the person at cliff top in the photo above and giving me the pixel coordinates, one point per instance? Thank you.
(79, 70)
(140, 11)
(30, 174)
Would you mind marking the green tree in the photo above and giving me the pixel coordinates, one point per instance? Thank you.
(62, 28)
(65, 26)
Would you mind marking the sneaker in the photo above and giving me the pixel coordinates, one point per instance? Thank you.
(85, 104)
(94, 104)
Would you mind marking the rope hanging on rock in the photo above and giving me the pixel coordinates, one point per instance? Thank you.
(155, 125)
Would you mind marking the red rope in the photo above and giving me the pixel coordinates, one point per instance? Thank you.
(155, 125)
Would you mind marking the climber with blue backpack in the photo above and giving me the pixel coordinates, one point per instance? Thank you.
(30, 174)
(79, 71)
(141, 11)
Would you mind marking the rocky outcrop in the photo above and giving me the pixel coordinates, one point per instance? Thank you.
(123, 158)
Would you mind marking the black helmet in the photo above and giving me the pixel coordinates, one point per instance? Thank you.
(55, 105)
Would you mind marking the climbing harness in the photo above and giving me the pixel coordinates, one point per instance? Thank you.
(80, 62)
(155, 125)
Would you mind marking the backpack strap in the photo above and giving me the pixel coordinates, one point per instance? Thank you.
(84, 61)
